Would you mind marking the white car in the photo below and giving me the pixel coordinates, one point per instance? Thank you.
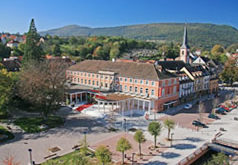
(188, 106)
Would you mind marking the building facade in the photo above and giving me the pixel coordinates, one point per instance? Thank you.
(141, 80)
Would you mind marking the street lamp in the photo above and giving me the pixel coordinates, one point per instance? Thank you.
(125, 124)
(171, 139)
(30, 153)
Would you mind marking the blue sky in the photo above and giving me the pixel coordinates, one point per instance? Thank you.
(15, 15)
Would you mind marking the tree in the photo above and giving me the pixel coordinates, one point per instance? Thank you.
(56, 50)
(154, 128)
(140, 138)
(6, 89)
(169, 124)
(230, 72)
(114, 52)
(123, 145)
(218, 159)
(32, 50)
(4, 51)
(217, 50)
(103, 154)
(43, 85)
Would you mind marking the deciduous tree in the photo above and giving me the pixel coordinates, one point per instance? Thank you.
(103, 154)
(140, 138)
(154, 128)
(43, 85)
(123, 145)
(169, 124)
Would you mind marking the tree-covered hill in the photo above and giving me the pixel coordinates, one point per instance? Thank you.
(199, 34)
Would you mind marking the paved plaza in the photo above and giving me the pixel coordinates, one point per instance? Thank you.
(186, 139)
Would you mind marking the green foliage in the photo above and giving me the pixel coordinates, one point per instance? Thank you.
(232, 48)
(140, 138)
(123, 145)
(32, 124)
(169, 124)
(32, 49)
(230, 72)
(218, 159)
(56, 50)
(7, 82)
(4, 131)
(154, 128)
(199, 34)
(4, 51)
(103, 154)
(217, 50)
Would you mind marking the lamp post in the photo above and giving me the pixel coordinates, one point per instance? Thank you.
(30, 153)
(125, 124)
(171, 139)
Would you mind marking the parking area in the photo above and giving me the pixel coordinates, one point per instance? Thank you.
(185, 120)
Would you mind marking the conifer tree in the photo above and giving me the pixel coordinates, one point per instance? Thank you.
(33, 50)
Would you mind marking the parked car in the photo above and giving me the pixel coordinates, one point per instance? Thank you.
(225, 108)
(213, 116)
(220, 111)
(188, 106)
(199, 124)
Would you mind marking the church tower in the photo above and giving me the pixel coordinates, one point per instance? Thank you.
(184, 49)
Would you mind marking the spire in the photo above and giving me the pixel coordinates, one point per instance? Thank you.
(185, 38)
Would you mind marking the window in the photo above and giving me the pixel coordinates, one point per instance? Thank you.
(125, 79)
(130, 88)
(92, 75)
(125, 87)
(106, 85)
(77, 73)
(135, 81)
(120, 79)
(135, 89)
(97, 83)
(89, 75)
(74, 79)
(111, 77)
(89, 82)
(84, 74)
(146, 91)
(141, 90)
(81, 81)
(101, 84)
(152, 83)
(146, 82)
(152, 92)
(97, 75)
(81, 74)
(141, 81)
(162, 92)
(169, 82)
(101, 76)
(93, 82)
(183, 52)
(106, 77)
(85, 81)
(174, 90)
(130, 80)
(120, 88)
(163, 83)
(175, 81)
(78, 80)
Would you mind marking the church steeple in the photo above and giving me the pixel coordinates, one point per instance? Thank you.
(184, 49)
(185, 38)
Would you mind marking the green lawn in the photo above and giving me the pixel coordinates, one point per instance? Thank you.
(73, 158)
(38, 124)
(4, 131)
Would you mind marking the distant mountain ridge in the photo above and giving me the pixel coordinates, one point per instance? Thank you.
(199, 34)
